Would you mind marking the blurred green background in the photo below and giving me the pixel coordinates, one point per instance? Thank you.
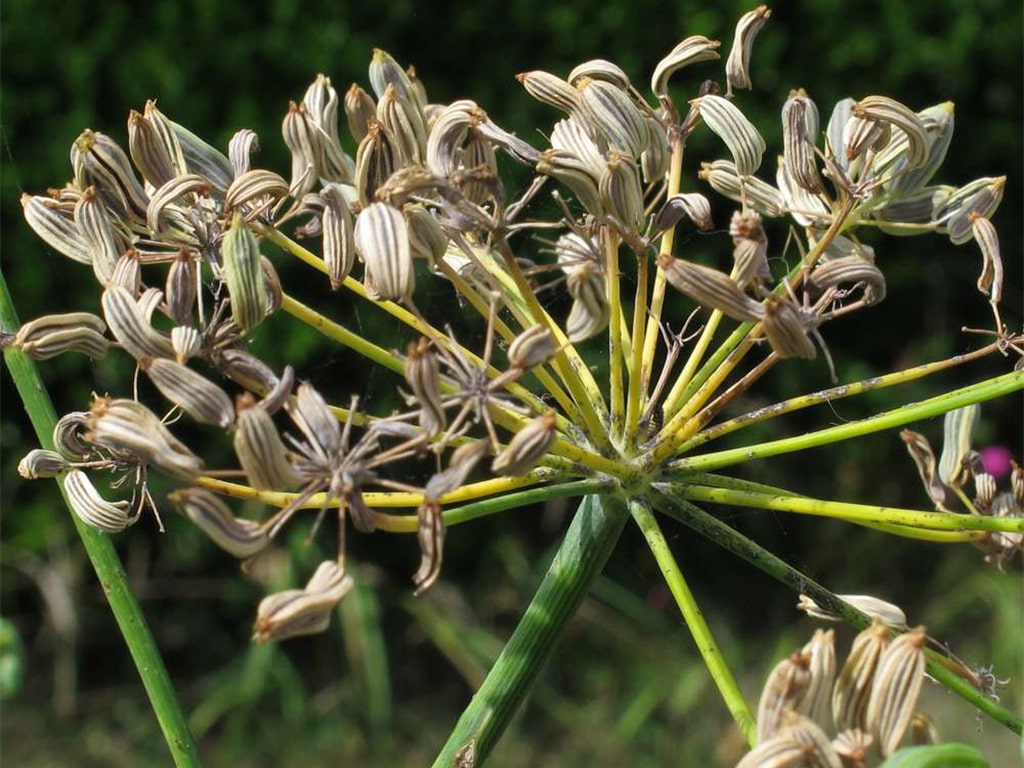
(385, 684)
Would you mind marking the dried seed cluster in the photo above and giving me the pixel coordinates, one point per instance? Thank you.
(868, 703)
(178, 236)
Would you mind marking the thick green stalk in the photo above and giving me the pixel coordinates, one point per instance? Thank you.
(691, 612)
(105, 561)
(666, 501)
(581, 556)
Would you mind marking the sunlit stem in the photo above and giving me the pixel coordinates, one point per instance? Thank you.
(341, 334)
(571, 368)
(831, 395)
(616, 395)
(691, 612)
(935, 406)
(712, 409)
(852, 513)
(651, 335)
(634, 400)
(733, 483)
(673, 399)
(682, 426)
(715, 530)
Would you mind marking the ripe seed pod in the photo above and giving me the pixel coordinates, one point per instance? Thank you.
(130, 427)
(853, 688)
(851, 270)
(621, 194)
(692, 205)
(575, 173)
(309, 411)
(187, 342)
(780, 751)
(259, 448)
(710, 288)
(958, 429)
(184, 186)
(461, 463)
(91, 508)
(571, 136)
(750, 250)
(158, 159)
(295, 612)
(817, 699)
(382, 239)
(891, 615)
(897, 685)
(799, 130)
(550, 89)
(182, 288)
(339, 243)
(990, 282)
(130, 325)
(403, 121)
(737, 66)
(305, 141)
(819, 749)
(924, 458)
(423, 375)
(529, 445)
(889, 111)
(979, 198)
(93, 220)
(786, 328)
(51, 335)
(730, 125)
(68, 436)
(785, 688)
(534, 346)
(256, 187)
(430, 532)
(238, 537)
(99, 161)
(359, 111)
(690, 51)
(612, 115)
(385, 71)
(599, 69)
(243, 143)
(40, 463)
(58, 230)
(192, 392)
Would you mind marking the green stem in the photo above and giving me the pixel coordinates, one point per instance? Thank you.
(105, 561)
(718, 532)
(831, 395)
(935, 406)
(853, 513)
(702, 636)
(581, 556)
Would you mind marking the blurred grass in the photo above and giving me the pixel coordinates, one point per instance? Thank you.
(385, 685)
